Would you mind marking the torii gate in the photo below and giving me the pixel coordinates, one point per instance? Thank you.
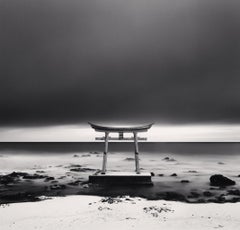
(121, 130)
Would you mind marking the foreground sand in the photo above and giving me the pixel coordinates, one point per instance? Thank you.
(93, 212)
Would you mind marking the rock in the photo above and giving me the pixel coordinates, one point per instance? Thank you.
(185, 181)
(201, 200)
(49, 178)
(85, 186)
(75, 155)
(86, 155)
(207, 193)
(40, 171)
(12, 177)
(61, 177)
(194, 195)
(152, 174)
(235, 192)
(20, 196)
(17, 174)
(34, 176)
(6, 179)
(161, 174)
(94, 152)
(84, 182)
(221, 199)
(73, 166)
(81, 169)
(111, 200)
(174, 174)
(129, 159)
(168, 159)
(220, 180)
(57, 186)
(221, 163)
(235, 199)
(174, 196)
(192, 171)
(212, 200)
(75, 183)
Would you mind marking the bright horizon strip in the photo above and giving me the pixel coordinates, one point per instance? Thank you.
(158, 133)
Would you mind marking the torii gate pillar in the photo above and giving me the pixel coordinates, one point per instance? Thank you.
(105, 153)
(136, 153)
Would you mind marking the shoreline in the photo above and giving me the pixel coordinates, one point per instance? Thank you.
(25, 187)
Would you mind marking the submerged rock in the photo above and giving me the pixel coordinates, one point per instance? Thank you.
(73, 166)
(86, 155)
(235, 192)
(40, 171)
(174, 196)
(33, 176)
(220, 180)
(174, 174)
(57, 186)
(49, 178)
(207, 193)
(6, 179)
(15, 176)
(75, 183)
(221, 199)
(201, 200)
(81, 169)
(168, 159)
(129, 159)
(185, 181)
(194, 195)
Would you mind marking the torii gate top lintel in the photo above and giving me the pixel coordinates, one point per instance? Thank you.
(125, 129)
(121, 130)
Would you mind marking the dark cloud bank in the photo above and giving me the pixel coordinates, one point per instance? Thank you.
(73, 61)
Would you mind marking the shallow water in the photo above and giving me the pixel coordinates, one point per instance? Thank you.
(194, 162)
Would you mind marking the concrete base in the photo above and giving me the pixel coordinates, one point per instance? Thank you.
(121, 178)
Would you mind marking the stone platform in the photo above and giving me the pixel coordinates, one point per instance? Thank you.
(121, 178)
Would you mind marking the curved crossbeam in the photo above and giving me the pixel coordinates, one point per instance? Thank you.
(100, 128)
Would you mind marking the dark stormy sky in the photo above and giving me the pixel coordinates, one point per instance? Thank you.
(175, 61)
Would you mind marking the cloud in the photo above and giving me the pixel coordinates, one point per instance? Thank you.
(169, 61)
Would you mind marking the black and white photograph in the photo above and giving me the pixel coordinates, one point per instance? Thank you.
(119, 114)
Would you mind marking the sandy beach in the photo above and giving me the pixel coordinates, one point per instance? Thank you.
(93, 212)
